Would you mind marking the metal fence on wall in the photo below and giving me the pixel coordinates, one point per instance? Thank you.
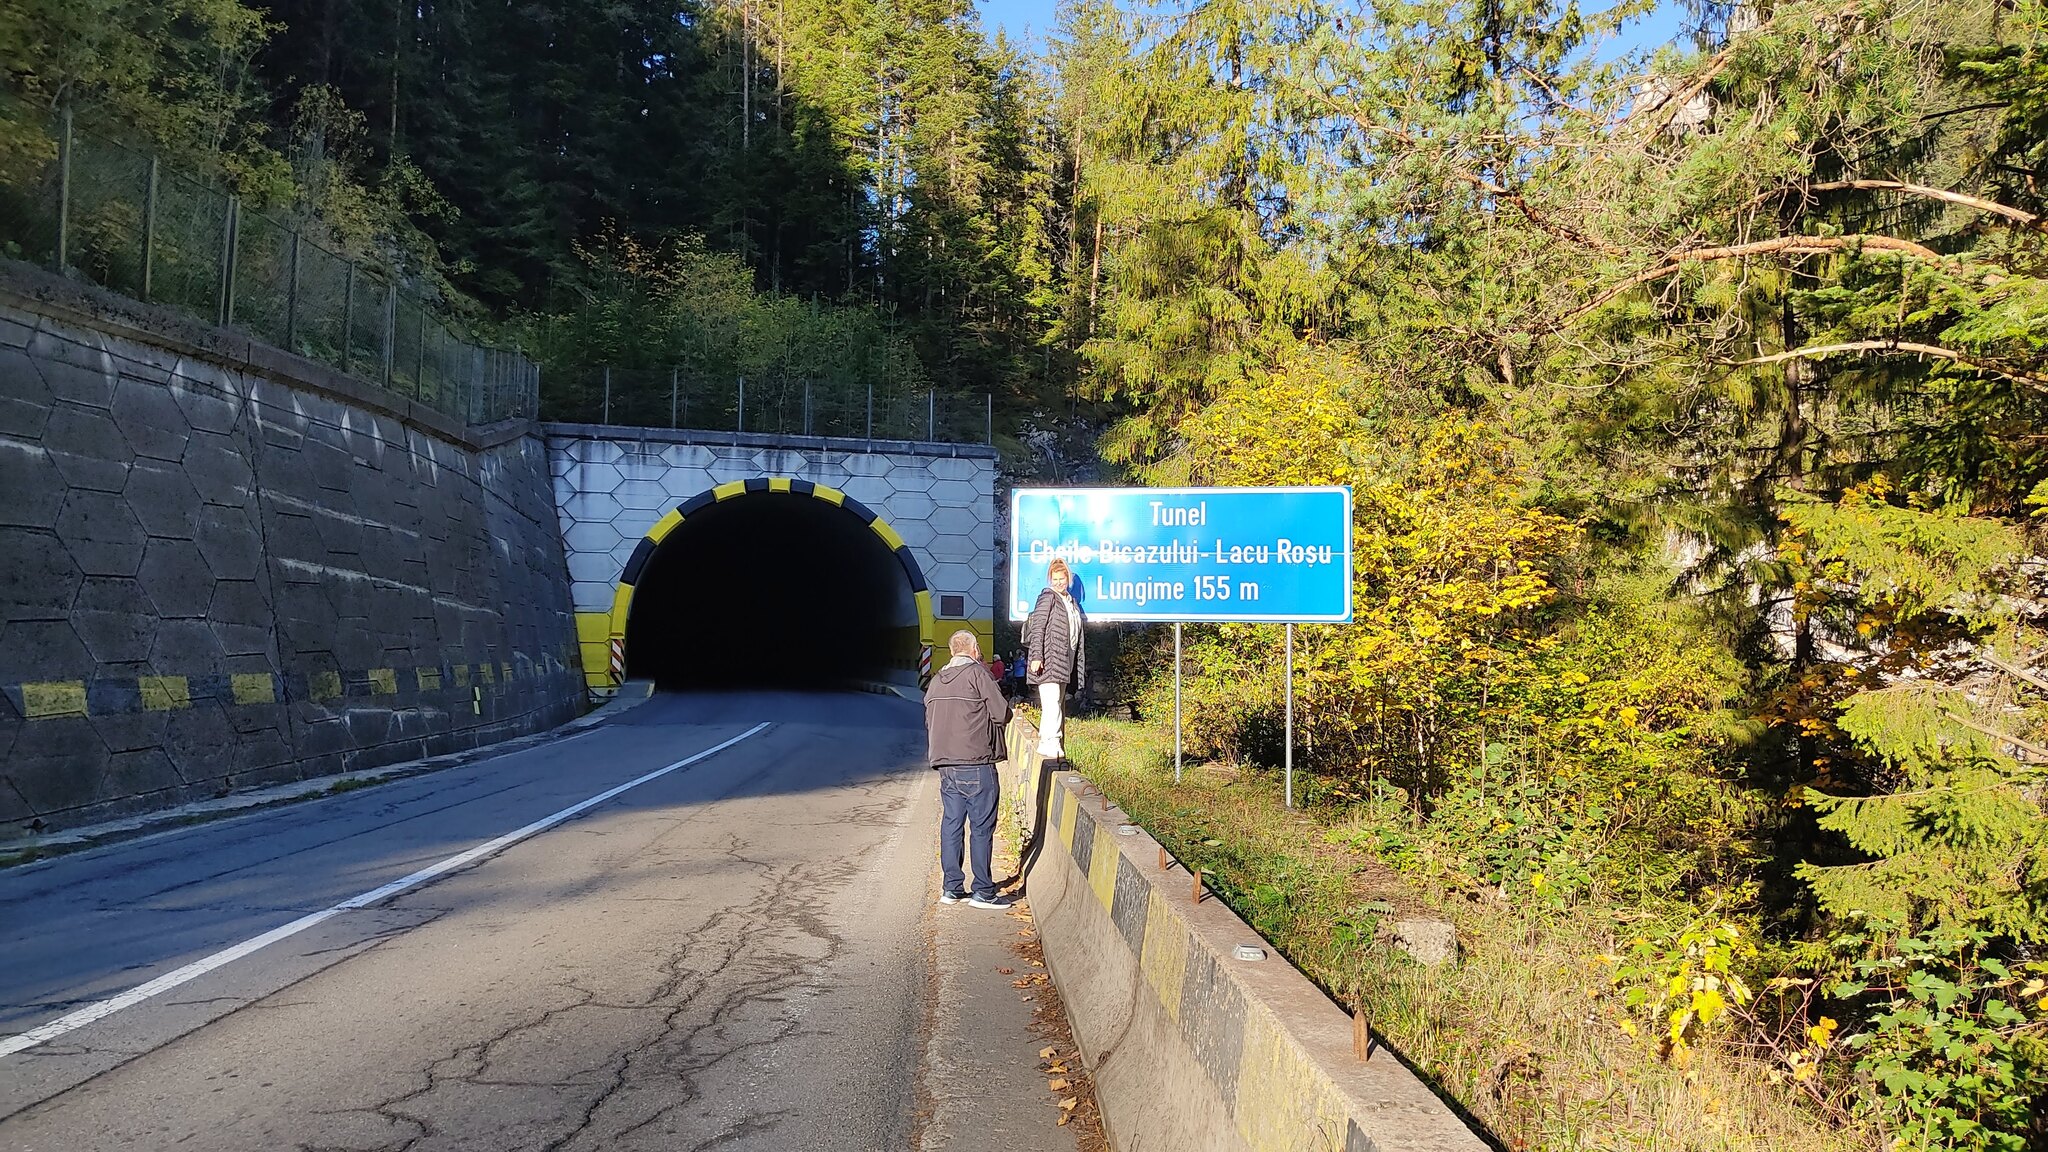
(682, 398)
(119, 218)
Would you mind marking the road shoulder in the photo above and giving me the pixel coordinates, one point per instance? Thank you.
(30, 847)
(1000, 1067)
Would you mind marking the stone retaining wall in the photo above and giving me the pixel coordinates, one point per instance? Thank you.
(224, 566)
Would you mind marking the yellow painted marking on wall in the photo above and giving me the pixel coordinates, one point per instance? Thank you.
(430, 679)
(828, 494)
(622, 603)
(1102, 861)
(164, 693)
(729, 489)
(383, 681)
(1283, 1104)
(593, 627)
(1164, 956)
(1067, 821)
(324, 685)
(488, 673)
(927, 630)
(45, 699)
(664, 526)
(461, 675)
(881, 528)
(506, 668)
(778, 483)
(253, 688)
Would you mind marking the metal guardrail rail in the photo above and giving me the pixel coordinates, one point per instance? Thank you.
(117, 217)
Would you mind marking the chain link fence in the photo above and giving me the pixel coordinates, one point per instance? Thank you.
(116, 217)
(681, 398)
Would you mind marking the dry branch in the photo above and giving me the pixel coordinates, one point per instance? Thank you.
(2028, 752)
(1817, 350)
(1789, 245)
(2024, 219)
(2026, 674)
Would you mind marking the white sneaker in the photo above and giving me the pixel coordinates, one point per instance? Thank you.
(952, 897)
(978, 902)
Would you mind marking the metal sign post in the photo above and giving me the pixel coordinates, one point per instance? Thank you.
(1176, 702)
(1289, 754)
(1278, 555)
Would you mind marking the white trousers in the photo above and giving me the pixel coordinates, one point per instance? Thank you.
(1052, 721)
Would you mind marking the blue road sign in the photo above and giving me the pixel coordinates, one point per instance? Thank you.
(1187, 554)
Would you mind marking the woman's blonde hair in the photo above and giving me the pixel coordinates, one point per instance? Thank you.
(1059, 575)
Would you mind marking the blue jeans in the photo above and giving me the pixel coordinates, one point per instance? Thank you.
(968, 793)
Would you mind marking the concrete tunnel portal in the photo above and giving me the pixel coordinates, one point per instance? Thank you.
(774, 588)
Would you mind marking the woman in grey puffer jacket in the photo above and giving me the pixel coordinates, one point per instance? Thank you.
(1058, 659)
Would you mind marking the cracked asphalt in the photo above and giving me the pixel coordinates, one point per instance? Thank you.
(733, 956)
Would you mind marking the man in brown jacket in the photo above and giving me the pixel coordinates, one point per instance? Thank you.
(964, 717)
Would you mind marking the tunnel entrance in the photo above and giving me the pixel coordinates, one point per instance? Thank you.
(771, 589)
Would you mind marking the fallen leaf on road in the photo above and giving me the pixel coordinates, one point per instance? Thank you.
(1057, 1086)
(1024, 983)
(1070, 1103)
(1047, 1053)
(1006, 971)
(1064, 1117)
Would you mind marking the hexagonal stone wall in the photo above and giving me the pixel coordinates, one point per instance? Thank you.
(939, 497)
(212, 578)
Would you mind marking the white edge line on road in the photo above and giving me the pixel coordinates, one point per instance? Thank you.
(100, 1010)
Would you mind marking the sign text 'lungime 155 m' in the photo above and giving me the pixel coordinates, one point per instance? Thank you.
(1187, 554)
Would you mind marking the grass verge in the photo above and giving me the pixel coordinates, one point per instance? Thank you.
(1520, 1033)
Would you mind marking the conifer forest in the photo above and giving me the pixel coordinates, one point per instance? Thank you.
(1694, 397)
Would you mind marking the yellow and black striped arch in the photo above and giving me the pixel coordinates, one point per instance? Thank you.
(598, 671)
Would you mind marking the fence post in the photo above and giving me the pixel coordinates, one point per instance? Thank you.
(419, 352)
(607, 395)
(742, 422)
(291, 297)
(63, 192)
(230, 254)
(149, 232)
(807, 407)
(348, 314)
(871, 409)
(931, 427)
(991, 398)
(671, 397)
(390, 330)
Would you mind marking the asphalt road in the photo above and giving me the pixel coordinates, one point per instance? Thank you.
(731, 955)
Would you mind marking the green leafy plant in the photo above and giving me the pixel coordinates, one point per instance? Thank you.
(1957, 1039)
(1683, 983)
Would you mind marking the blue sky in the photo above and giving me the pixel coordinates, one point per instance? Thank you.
(1028, 21)
(1024, 20)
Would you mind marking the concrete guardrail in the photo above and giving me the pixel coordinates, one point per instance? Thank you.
(1191, 1048)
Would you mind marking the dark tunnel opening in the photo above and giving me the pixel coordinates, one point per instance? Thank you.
(770, 589)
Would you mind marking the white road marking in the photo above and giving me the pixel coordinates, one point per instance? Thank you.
(73, 1021)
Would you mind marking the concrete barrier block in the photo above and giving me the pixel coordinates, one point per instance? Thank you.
(1191, 1048)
